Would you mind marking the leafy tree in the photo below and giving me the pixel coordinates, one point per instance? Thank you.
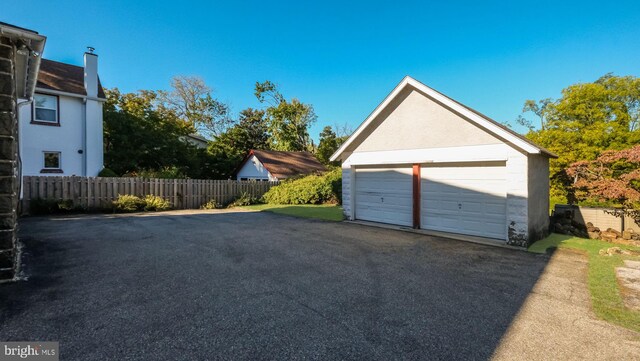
(329, 143)
(588, 119)
(229, 148)
(142, 136)
(288, 121)
(613, 178)
(192, 101)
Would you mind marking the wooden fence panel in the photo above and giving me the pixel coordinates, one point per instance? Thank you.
(98, 192)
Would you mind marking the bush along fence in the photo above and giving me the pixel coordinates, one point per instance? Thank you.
(95, 193)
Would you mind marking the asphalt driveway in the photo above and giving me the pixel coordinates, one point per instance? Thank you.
(234, 285)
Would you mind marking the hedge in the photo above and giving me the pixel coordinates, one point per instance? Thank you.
(312, 189)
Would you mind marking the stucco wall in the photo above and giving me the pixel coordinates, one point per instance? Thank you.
(253, 169)
(346, 192)
(538, 184)
(68, 138)
(414, 121)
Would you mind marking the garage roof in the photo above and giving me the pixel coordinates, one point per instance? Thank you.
(283, 164)
(484, 122)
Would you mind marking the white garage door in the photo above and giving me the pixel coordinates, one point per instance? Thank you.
(384, 195)
(464, 199)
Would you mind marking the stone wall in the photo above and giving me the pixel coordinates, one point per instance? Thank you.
(8, 163)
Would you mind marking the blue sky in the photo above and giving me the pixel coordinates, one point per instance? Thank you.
(344, 57)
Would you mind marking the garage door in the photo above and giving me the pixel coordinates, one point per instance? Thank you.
(384, 195)
(464, 199)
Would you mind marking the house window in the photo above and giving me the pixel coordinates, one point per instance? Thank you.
(51, 162)
(45, 109)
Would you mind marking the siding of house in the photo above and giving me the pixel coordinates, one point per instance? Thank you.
(414, 121)
(68, 138)
(538, 183)
(253, 169)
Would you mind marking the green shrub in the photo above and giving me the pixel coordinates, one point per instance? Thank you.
(245, 199)
(106, 172)
(128, 203)
(312, 189)
(155, 203)
(212, 204)
(42, 206)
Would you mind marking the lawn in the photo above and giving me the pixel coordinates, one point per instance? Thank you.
(327, 212)
(603, 286)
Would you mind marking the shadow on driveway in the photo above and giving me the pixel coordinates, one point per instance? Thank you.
(258, 285)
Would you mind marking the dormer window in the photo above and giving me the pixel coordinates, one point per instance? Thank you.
(45, 109)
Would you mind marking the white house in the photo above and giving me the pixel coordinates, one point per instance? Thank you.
(61, 129)
(271, 165)
(423, 160)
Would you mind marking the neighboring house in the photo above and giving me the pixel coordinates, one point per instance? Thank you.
(197, 140)
(271, 165)
(20, 51)
(423, 160)
(61, 130)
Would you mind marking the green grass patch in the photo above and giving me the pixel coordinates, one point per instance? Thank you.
(327, 212)
(603, 286)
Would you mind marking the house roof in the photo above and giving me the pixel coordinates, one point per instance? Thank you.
(484, 122)
(286, 164)
(54, 75)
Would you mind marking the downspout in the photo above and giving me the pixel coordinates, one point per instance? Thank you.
(84, 138)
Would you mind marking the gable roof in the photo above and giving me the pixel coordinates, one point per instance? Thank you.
(482, 121)
(54, 75)
(283, 164)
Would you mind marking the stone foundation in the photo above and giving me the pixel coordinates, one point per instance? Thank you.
(8, 163)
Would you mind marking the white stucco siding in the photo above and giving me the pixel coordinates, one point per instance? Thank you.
(94, 138)
(254, 169)
(67, 138)
(346, 192)
(414, 121)
(517, 198)
(538, 183)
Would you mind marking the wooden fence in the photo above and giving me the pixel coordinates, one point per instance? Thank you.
(98, 192)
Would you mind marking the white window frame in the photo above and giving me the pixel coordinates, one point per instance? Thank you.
(34, 118)
(44, 162)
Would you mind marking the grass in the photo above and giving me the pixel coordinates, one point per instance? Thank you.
(603, 286)
(327, 212)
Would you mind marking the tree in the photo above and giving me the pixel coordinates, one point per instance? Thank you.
(613, 178)
(229, 148)
(329, 143)
(288, 121)
(588, 119)
(141, 135)
(192, 101)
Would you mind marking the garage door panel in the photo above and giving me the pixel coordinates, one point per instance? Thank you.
(467, 200)
(384, 195)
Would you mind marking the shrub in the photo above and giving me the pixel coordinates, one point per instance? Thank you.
(155, 203)
(212, 204)
(106, 172)
(312, 189)
(245, 199)
(128, 203)
(42, 206)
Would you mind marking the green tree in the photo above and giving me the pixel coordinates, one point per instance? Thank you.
(142, 136)
(588, 119)
(329, 143)
(192, 101)
(229, 148)
(288, 121)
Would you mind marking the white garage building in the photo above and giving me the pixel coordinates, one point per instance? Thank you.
(423, 160)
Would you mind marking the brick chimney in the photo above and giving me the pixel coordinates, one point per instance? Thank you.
(91, 72)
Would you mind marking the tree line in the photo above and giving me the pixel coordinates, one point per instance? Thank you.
(146, 133)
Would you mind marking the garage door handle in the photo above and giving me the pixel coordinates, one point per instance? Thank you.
(382, 199)
(459, 205)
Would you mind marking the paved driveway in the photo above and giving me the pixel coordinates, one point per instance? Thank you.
(211, 285)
